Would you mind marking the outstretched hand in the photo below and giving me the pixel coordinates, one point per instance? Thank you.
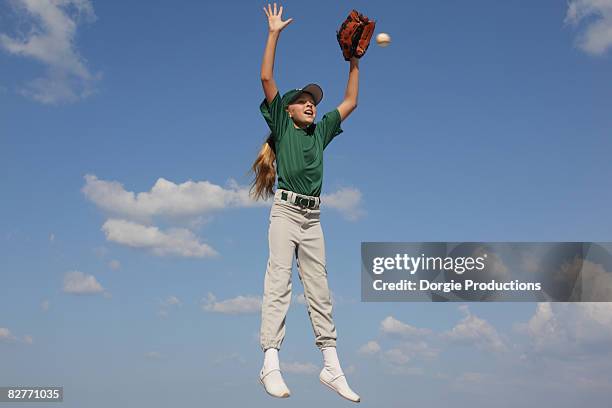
(275, 22)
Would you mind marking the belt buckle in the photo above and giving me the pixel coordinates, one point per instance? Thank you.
(302, 201)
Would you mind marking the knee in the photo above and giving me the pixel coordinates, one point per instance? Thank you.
(281, 268)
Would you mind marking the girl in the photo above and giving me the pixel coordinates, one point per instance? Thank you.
(296, 143)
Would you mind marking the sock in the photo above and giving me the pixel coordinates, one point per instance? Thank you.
(330, 361)
(271, 360)
(332, 372)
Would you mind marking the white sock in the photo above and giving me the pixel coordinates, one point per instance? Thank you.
(270, 377)
(271, 360)
(331, 361)
(333, 376)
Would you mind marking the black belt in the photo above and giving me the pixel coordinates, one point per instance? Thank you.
(299, 200)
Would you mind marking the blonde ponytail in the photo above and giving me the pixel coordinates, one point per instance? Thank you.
(264, 169)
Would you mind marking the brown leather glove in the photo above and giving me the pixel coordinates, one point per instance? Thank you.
(354, 35)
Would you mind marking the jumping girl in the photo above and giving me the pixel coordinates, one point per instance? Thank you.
(296, 144)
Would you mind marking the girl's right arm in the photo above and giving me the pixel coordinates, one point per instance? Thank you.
(275, 26)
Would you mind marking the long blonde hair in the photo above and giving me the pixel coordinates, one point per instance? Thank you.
(264, 169)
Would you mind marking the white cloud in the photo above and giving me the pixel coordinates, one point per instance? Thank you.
(199, 221)
(78, 283)
(5, 334)
(175, 241)
(409, 351)
(474, 330)
(51, 41)
(371, 347)
(133, 213)
(565, 329)
(396, 356)
(52, 237)
(595, 280)
(599, 313)
(237, 305)
(153, 355)
(44, 306)
(544, 328)
(171, 301)
(420, 349)
(166, 198)
(596, 38)
(299, 368)
(114, 264)
(392, 326)
(347, 200)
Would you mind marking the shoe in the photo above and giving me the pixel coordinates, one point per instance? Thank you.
(273, 383)
(338, 383)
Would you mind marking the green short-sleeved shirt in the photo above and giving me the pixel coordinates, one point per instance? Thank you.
(299, 152)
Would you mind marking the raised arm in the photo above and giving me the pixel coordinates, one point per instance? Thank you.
(275, 26)
(352, 90)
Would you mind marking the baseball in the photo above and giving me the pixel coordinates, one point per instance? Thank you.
(383, 39)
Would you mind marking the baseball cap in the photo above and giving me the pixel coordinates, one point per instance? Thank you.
(313, 89)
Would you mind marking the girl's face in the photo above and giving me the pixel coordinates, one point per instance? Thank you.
(303, 110)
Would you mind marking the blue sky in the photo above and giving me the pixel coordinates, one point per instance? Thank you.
(132, 260)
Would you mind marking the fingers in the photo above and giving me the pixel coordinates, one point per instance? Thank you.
(273, 10)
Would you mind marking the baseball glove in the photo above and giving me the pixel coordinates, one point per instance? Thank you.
(354, 35)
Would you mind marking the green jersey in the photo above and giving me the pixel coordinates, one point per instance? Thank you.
(299, 152)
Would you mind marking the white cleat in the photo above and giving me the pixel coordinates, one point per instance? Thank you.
(338, 383)
(273, 383)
